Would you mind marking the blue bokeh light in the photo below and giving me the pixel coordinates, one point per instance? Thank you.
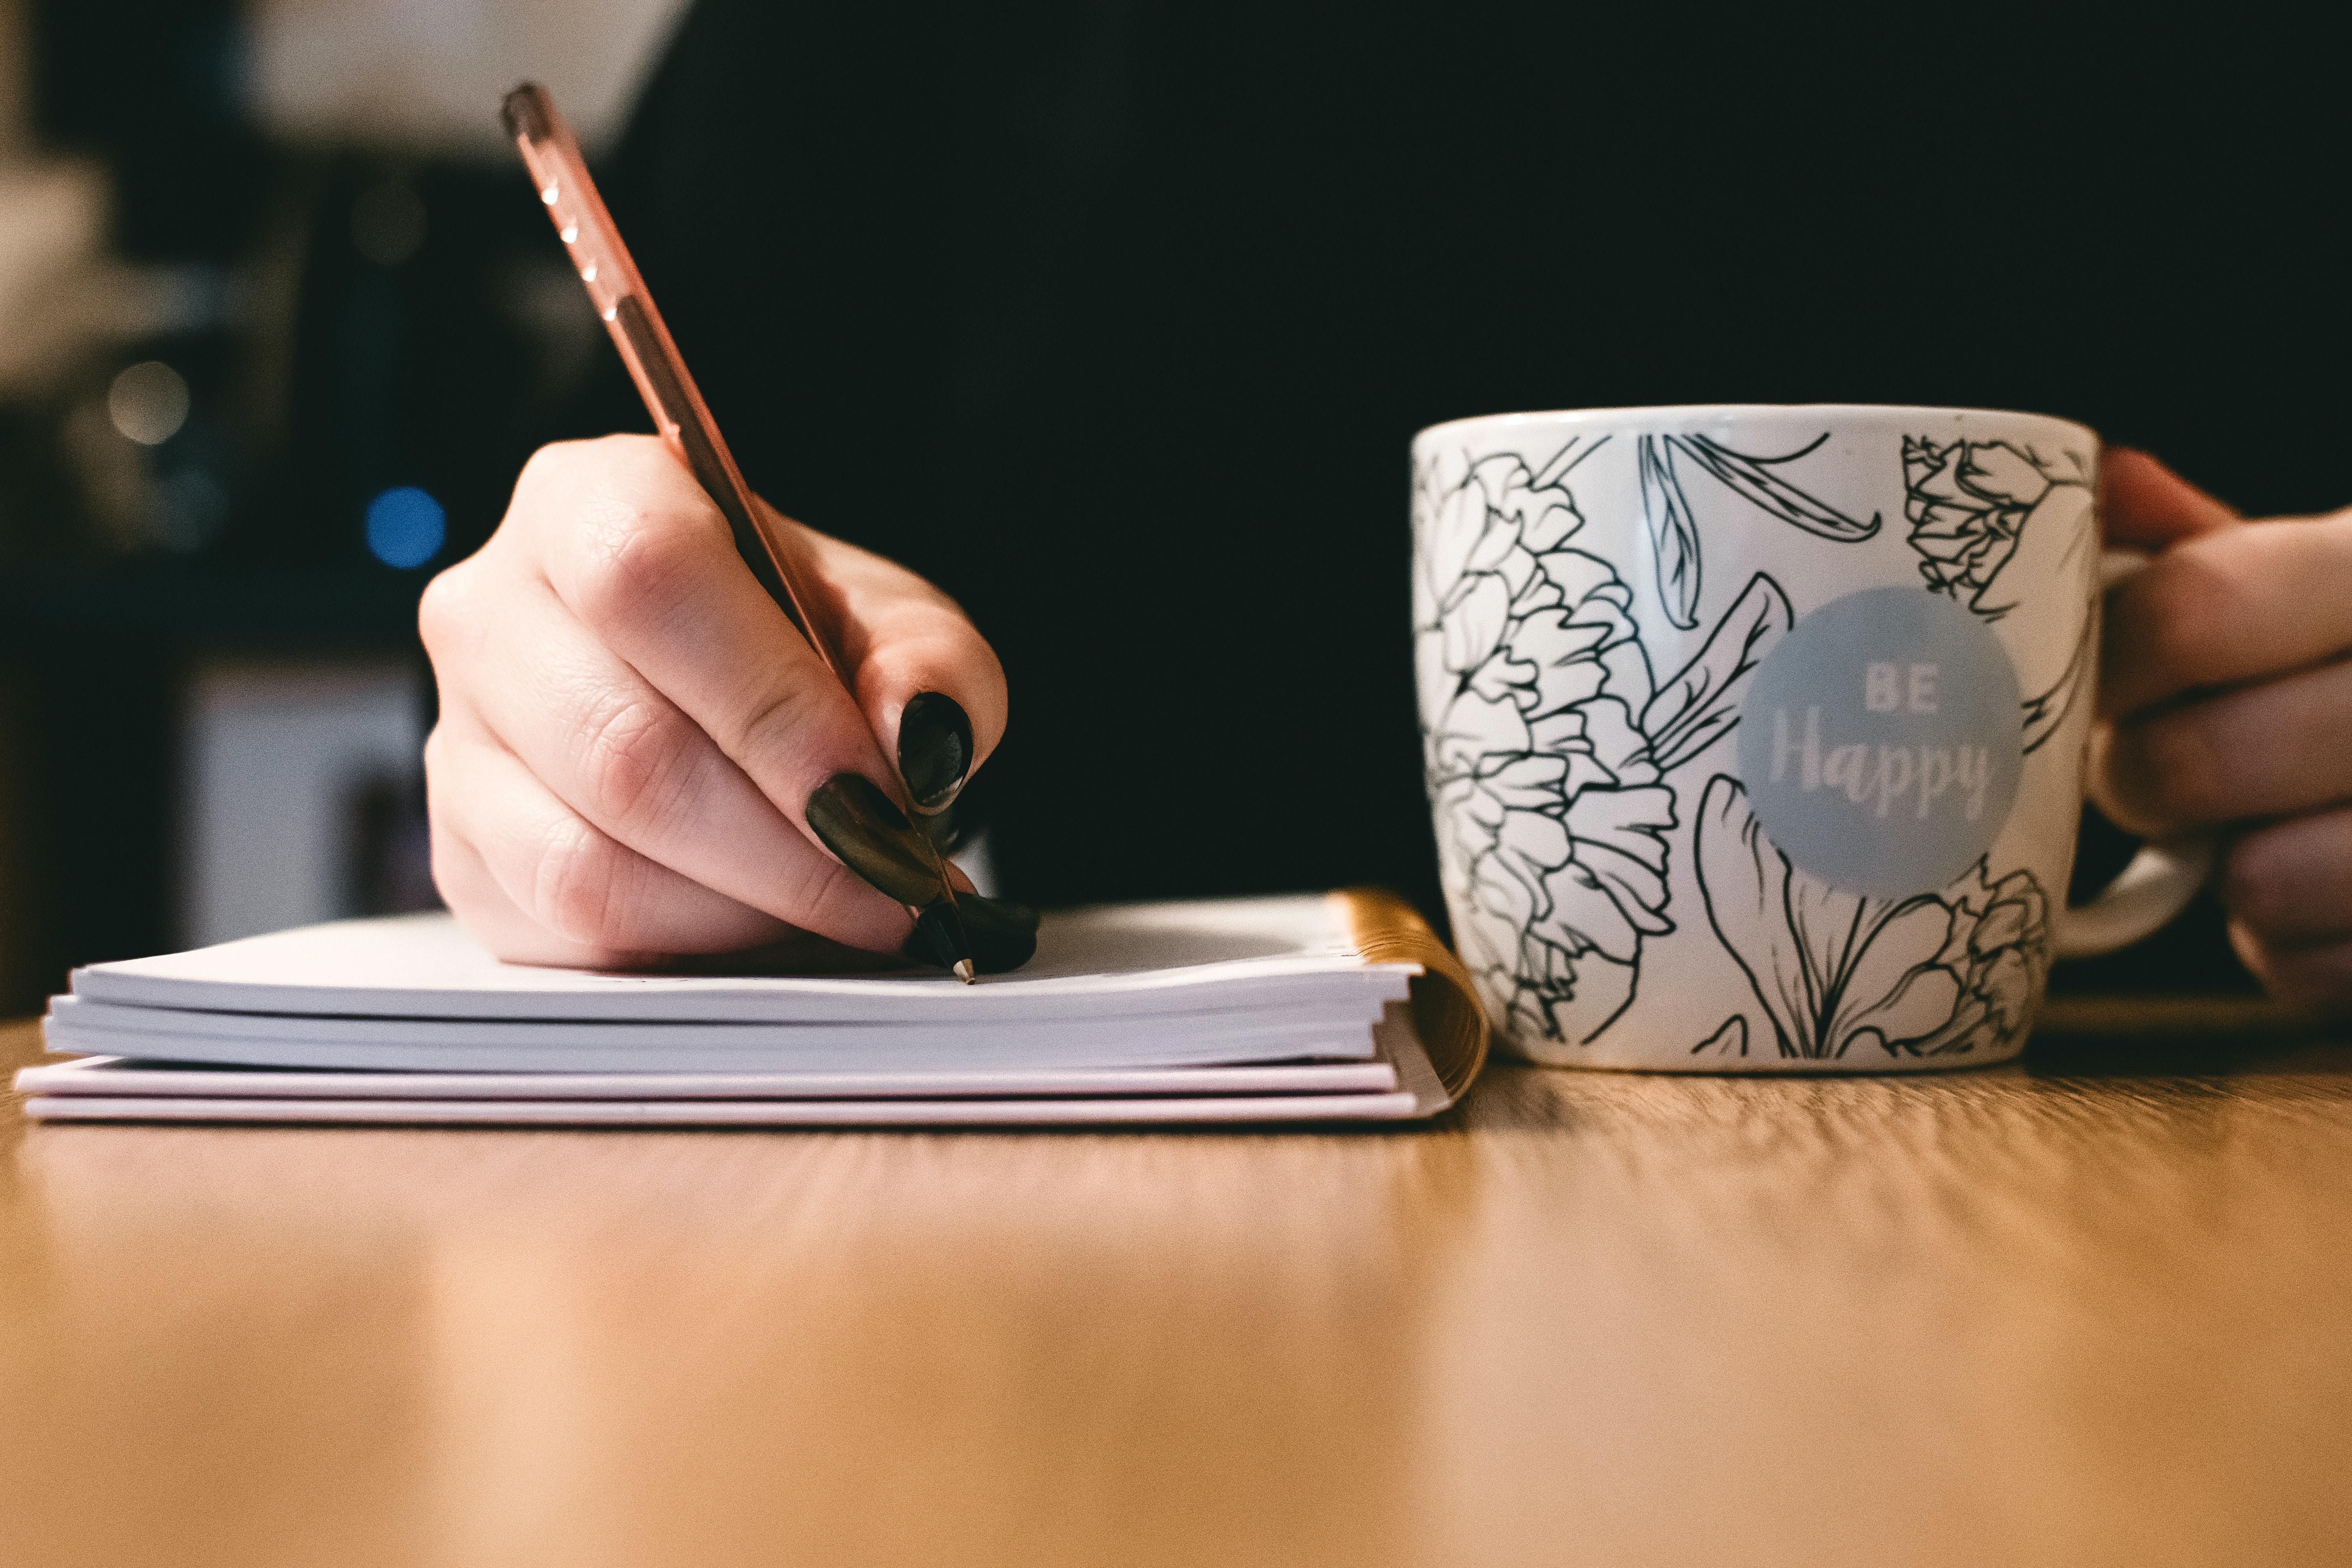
(406, 526)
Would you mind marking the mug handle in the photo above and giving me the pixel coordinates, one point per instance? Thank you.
(2161, 878)
(2156, 886)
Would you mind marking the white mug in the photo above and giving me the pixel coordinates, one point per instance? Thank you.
(1755, 735)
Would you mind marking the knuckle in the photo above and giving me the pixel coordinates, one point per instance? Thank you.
(635, 564)
(444, 617)
(543, 465)
(553, 465)
(546, 477)
(635, 762)
(579, 886)
(775, 718)
(560, 466)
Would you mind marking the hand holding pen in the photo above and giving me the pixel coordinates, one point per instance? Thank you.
(641, 748)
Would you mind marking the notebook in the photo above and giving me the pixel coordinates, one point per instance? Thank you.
(1331, 1008)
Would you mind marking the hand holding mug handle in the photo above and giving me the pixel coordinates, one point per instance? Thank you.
(2161, 878)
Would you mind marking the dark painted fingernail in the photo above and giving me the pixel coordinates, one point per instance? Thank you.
(1003, 934)
(956, 825)
(934, 749)
(851, 816)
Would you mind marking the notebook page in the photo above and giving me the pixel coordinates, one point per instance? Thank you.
(1415, 1092)
(1122, 962)
(439, 1044)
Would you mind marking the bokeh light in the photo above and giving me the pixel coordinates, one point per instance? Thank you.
(404, 527)
(148, 403)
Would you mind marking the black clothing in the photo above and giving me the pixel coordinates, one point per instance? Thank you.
(1115, 320)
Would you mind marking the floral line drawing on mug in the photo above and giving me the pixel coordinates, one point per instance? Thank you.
(1673, 527)
(1974, 507)
(1922, 976)
(1630, 881)
(1551, 770)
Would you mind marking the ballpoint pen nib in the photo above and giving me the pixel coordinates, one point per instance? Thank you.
(963, 970)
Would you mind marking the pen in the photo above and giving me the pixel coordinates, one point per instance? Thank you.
(619, 294)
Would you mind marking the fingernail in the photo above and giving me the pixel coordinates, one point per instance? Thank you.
(1003, 934)
(851, 816)
(957, 823)
(934, 749)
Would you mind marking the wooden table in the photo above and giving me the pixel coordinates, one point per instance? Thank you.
(2052, 1315)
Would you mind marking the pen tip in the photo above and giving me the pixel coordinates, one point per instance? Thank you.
(963, 970)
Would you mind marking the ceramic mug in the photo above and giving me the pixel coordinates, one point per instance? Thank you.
(1755, 735)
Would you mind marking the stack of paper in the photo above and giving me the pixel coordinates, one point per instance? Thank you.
(1276, 1009)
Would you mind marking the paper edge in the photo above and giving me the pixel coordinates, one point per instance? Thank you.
(1397, 1106)
(100, 1077)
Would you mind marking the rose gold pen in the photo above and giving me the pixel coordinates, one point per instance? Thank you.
(602, 262)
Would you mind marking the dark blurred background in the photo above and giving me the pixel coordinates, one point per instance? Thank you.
(278, 322)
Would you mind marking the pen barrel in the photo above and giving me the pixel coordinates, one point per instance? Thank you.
(619, 294)
(636, 335)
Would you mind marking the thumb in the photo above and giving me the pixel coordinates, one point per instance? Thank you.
(930, 686)
(2146, 506)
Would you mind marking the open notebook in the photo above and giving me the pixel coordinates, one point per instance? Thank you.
(1340, 1007)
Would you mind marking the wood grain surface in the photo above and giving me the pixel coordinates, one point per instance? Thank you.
(2096, 1309)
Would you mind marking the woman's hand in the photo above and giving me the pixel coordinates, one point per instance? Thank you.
(2226, 705)
(630, 730)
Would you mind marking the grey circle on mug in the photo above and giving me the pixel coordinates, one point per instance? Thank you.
(1882, 741)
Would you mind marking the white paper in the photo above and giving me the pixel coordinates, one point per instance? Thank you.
(1245, 1010)
(1127, 960)
(114, 1076)
(735, 1113)
(507, 1045)
(59, 1093)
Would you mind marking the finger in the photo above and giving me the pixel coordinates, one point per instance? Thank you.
(624, 759)
(2290, 882)
(2317, 976)
(2227, 607)
(585, 890)
(645, 563)
(492, 918)
(482, 906)
(2262, 751)
(926, 679)
(2146, 505)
